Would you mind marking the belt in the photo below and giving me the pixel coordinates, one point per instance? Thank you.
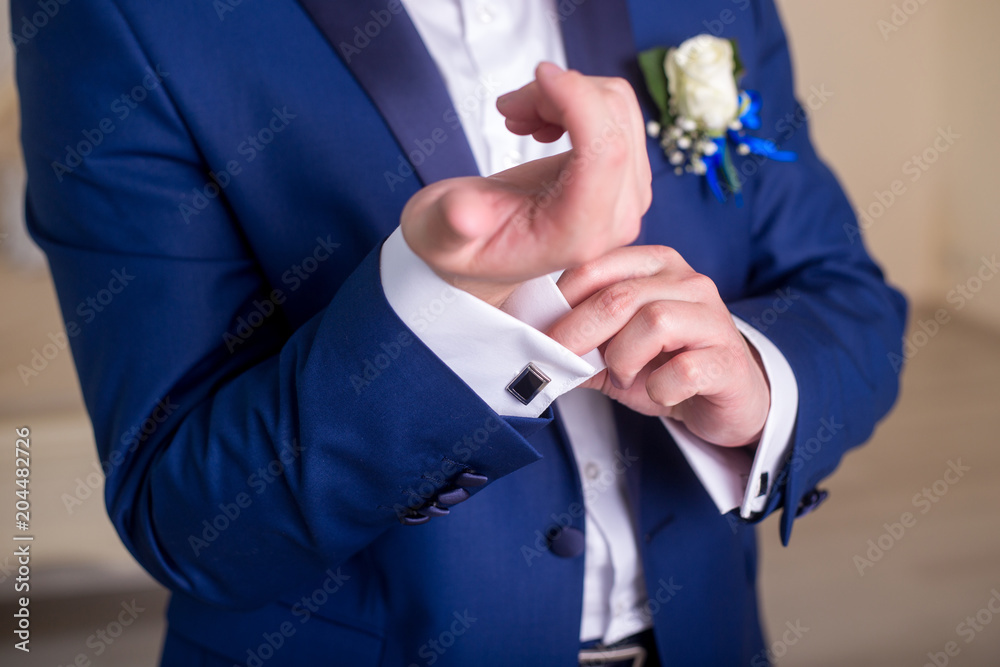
(635, 651)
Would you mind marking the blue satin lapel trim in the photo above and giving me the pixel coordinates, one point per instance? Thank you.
(402, 80)
(598, 40)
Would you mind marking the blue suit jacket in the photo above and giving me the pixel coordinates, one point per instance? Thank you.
(211, 183)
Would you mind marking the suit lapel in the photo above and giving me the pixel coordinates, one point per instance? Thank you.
(598, 40)
(387, 57)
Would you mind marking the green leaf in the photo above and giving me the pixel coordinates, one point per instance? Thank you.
(651, 64)
(730, 170)
(738, 70)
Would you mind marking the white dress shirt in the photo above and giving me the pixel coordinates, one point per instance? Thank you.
(484, 48)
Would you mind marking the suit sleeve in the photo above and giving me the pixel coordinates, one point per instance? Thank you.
(812, 289)
(236, 473)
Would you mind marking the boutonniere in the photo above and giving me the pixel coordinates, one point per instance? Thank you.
(703, 113)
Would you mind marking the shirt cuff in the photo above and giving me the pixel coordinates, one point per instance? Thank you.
(732, 477)
(486, 347)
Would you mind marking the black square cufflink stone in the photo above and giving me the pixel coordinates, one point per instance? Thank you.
(528, 383)
(762, 485)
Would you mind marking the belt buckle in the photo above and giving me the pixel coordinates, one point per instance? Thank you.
(605, 657)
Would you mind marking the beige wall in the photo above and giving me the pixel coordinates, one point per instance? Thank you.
(8, 111)
(6, 49)
(971, 100)
(14, 245)
(895, 91)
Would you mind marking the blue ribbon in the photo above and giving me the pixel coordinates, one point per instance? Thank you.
(713, 164)
(767, 149)
(751, 116)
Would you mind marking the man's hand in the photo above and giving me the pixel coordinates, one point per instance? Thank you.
(672, 348)
(487, 235)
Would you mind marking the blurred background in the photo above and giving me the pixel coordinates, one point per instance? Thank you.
(900, 95)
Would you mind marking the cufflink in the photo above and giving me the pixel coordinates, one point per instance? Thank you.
(762, 485)
(528, 383)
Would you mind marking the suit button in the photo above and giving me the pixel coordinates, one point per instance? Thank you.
(432, 510)
(811, 501)
(453, 497)
(414, 519)
(566, 542)
(470, 479)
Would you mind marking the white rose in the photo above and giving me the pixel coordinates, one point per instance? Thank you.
(701, 82)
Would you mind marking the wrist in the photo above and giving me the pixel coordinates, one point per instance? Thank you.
(759, 364)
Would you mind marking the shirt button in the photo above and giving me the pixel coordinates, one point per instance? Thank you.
(485, 13)
(592, 471)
